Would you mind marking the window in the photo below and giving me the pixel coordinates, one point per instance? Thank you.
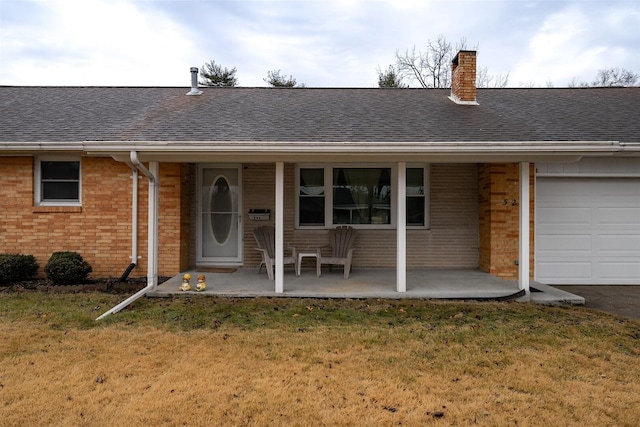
(57, 182)
(311, 197)
(415, 197)
(362, 196)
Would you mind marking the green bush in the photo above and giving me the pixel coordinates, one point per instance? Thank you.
(17, 267)
(67, 268)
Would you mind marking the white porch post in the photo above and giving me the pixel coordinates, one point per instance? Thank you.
(152, 249)
(279, 226)
(401, 221)
(523, 257)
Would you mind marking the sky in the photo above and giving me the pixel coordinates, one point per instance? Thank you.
(321, 43)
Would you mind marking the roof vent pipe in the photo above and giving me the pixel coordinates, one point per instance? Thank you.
(194, 82)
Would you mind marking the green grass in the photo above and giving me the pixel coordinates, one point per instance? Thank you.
(457, 322)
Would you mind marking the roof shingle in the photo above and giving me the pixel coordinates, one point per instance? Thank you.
(66, 114)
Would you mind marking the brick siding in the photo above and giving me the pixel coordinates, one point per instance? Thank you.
(499, 193)
(100, 230)
(470, 224)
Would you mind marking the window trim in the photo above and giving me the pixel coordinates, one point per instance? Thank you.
(328, 187)
(38, 181)
(426, 177)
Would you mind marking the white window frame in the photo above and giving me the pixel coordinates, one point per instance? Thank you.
(426, 177)
(38, 181)
(328, 194)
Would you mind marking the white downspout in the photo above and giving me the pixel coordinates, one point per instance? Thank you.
(152, 262)
(134, 218)
(134, 222)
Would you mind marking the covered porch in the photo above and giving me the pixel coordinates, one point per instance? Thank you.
(507, 200)
(468, 284)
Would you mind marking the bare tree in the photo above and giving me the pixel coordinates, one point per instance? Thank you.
(615, 77)
(609, 77)
(390, 78)
(574, 82)
(212, 74)
(431, 68)
(486, 80)
(275, 79)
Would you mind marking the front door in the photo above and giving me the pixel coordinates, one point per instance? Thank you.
(219, 240)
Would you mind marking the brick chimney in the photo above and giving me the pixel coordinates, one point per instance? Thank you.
(463, 78)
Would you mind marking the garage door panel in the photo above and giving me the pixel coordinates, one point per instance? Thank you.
(570, 243)
(587, 230)
(618, 244)
(564, 271)
(617, 216)
(619, 270)
(565, 216)
(566, 190)
(621, 188)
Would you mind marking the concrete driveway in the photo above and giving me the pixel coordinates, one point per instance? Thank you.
(621, 300)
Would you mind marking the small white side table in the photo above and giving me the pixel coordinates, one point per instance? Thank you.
(307, 254)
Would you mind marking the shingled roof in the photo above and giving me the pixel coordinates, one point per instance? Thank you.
(126, 114)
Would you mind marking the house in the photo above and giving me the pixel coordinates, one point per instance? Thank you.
(520, 183)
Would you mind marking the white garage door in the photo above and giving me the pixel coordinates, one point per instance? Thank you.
(587, 230)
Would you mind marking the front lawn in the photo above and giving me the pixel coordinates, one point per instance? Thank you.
(216, 361)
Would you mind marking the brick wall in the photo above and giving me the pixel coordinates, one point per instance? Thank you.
(100, 230)
(173, 232)
(470, 223)
(499, 196)
(186, 183)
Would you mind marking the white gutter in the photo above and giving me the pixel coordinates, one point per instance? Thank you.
(133, 155)
(149, 148)
(152, 262)
(383, 147)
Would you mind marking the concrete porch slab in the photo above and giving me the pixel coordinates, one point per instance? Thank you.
(553, 296)
(365, 283)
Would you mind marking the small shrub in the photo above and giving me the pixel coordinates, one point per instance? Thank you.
(17, 267)
(67, 268)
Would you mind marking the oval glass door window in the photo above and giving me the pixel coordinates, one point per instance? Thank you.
(221, 212)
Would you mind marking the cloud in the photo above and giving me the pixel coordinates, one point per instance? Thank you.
(97, 42)
(577, 41)
(320, 43)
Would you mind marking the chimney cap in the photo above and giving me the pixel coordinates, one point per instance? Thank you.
(463, 51)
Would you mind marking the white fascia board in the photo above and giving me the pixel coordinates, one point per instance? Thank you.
(294, 147)
(149, 150)
(630, 148)
(298, 151)
(30, 148)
